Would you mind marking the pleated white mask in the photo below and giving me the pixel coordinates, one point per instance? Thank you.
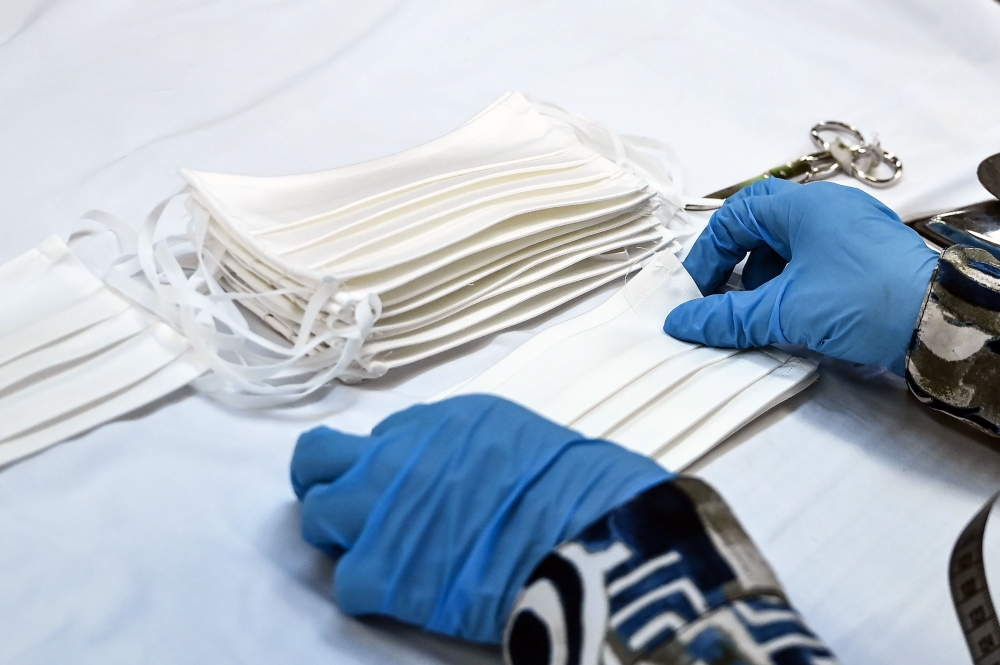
(612, 373)
(74, 353)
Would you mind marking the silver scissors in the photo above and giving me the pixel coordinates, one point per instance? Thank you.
(847, 151)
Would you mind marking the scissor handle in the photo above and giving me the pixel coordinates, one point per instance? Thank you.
(841, 128)
(886, 157)
(858, 158)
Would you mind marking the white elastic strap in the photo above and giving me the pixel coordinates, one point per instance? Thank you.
(124, 234)
(195, 304)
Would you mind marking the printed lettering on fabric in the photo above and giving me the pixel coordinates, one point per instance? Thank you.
(669, 577)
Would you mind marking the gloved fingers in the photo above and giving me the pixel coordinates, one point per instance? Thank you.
(322, 455)
(756, 216)
(710, 263)
(733, 320)
(360, 590)
(334, 514)
(763, 265)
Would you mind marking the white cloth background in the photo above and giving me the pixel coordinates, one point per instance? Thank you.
(172, 536)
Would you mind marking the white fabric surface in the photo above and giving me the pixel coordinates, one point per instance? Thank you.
(171, 536)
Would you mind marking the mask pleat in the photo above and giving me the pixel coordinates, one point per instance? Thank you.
(77, 351)
(785, 381)
(612, 373)
(94, 339)
(519, 254)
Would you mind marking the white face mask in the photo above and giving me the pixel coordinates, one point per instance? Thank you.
(380, 264)
(75, 354)
(612, 373)
(787, 380)
(488, 317)
(509, 260)
(42, 301)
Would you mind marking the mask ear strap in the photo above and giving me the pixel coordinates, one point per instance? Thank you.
(175, 278)
(124, 234)
(97, 222)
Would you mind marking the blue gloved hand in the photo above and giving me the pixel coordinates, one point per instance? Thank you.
(442, 513)
(852, 288)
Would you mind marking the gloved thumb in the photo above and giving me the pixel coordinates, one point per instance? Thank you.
(733, 320)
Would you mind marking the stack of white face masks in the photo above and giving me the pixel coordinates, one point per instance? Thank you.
(377, 265)
(613, 374)
(74, 354)
(372, 266)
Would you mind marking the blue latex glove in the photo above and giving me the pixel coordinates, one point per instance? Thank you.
(442, 513)
(852, 288)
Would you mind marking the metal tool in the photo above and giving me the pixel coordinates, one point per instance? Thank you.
(975, 225)
(847, 151)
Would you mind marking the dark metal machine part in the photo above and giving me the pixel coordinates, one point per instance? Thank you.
(989, 174)
(976, 225)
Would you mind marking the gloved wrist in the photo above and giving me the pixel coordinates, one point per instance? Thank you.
(911, 306)
(669, 577)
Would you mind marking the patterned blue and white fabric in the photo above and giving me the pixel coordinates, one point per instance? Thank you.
(668, 578)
